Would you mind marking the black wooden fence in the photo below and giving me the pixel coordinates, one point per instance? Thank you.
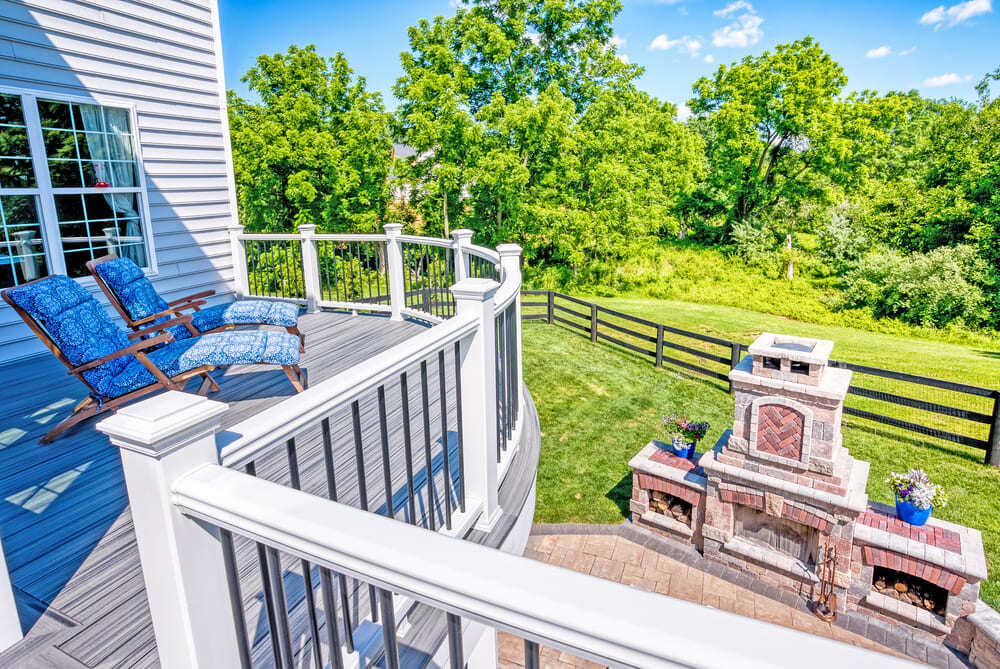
(946, 410)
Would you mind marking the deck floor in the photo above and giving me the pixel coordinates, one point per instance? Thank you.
(64, 518)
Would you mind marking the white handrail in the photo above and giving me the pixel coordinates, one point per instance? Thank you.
(601, 620)
(351, 238)
(242, 442)
(427, 241)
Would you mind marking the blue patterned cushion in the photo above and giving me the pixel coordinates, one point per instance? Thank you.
(219, 348)
(130, 285)
(78, 325)
(243, 312)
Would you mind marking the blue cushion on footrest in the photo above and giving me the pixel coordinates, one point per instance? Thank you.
(243, 312)
(219, 349)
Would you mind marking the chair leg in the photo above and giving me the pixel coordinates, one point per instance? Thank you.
(81, 412)
(208, 384)
(294, 375)
(294, 329)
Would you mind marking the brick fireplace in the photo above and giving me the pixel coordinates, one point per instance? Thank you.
(779, 494)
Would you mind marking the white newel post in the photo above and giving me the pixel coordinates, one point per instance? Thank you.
(510, 266)
(310, 267)
(10, 623)
(239, 254)
(479, 400)
(463, 239)
(161, 439)
(394, 259)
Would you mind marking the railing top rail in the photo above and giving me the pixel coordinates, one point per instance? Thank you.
(427, 241)
(483, 252)
(601, 620)
(243, 441)
(269, 237)
(374, 237)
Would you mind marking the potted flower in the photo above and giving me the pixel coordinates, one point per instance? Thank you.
(684, 434)
(916, 496)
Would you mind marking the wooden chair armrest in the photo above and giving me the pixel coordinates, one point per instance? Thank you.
(172, 311)
(189, 298)
(138, 346)
(160, 327)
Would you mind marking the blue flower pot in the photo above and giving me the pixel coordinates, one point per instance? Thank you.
(685, 452)
(911, 514)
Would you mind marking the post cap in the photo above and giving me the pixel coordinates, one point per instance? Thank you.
(307, 228)
(475, 290)
(509, 250)
(393, 228)
(160, 424)
(462, 233)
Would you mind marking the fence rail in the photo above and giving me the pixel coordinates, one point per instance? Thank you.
(958, 413)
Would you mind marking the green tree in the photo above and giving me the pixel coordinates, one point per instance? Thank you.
(315, 149)
(781, 134)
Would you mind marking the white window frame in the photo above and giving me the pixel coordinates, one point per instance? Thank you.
(51, 236)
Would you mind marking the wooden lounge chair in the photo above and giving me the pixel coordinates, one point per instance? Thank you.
(118, 366)
(138, 303)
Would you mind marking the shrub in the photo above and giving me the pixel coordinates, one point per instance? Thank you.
(754, 243)
(840, 244)
(933, 289)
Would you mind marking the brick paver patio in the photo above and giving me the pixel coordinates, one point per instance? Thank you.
(618, 559)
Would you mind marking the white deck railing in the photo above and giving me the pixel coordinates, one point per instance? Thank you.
(188, 509)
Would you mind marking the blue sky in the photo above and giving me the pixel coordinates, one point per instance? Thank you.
(940, 49)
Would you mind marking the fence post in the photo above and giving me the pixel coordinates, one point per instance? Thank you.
(593, 323)
(161, 439)
(479, 400)
(993, 448)
(659, 346)
(394, 259)
(551, 299)
(510, 263)
(463, 239)
(239, 253)
(310, 267)
(734, 358)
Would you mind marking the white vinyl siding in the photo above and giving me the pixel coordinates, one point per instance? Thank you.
(161, 58)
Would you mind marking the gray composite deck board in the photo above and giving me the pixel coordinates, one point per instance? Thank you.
(67, 529)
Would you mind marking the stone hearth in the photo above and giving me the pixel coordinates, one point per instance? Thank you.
(779, 494)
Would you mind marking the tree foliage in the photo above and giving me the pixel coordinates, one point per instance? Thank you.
(315, 149)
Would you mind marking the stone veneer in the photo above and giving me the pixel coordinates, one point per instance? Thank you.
(784, 466)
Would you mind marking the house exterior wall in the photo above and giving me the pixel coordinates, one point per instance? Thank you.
(163, 59)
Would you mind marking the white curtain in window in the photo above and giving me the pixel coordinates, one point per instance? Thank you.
(114, 162)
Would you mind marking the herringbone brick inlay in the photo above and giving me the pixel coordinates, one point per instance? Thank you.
(779, 431)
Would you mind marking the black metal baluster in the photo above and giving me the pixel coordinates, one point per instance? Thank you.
(411, 505)
(445, 451)
(384, 434)
(284, 255)
(293, 472)
(368, 270)
(361, 288)
(389, 630)
(456, 656)
(458, 415)
(235, 597)
(330, 611)
(432, 524)
(359, 455)
(531, 660)
(331, 488)
(281, 607)
(265, 582)
(496, 366)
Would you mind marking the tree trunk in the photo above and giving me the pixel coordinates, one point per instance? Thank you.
(790, 272)
(447, 232)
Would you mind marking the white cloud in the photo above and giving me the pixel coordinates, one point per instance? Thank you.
(683, 112)
(709, 58)
(734, 7)
(617, 41)
(742, 32)
(879, 52)
(685, 44)
(623, 57)
(946, 80)
(907, 52)
(941, 17)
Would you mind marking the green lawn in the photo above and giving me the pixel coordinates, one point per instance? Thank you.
(599, 405)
